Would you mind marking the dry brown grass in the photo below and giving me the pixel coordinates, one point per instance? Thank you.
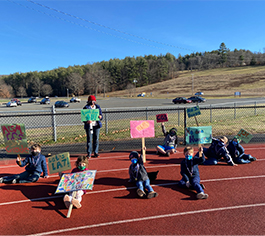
(248, 80)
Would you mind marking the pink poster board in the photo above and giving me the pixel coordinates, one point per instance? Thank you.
(142, 128)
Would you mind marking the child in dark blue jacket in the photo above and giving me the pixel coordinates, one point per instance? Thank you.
(237, 152)
(35, 165)
(190, 171)
(170, 141)
(139, 176)
(217, 151)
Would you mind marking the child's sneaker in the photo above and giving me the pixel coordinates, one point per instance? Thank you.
(140, 192)
(168, 154)
(76, 203)
(202, 195)
(152, 194)
(66, 200)
(14, 181)
(1, 180)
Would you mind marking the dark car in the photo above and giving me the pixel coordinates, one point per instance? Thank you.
(45, 101)
(61, 104)
(33, 99)
(17, 101)
(197, 99)
(181, 100)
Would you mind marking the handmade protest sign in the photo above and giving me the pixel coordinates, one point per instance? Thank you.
(142, 128)
(193, 111)
(89, 114)
(244, 135)
(59, 162)
(83, 180)
(15, 138)
(161, 118)
(198, 135)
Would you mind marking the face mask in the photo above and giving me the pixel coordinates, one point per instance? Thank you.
(235, 143)
(81, 167)
(34, 153)
(134, 160)
(189, 157)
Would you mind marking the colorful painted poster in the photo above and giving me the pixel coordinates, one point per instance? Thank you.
(89, 114)
(142, 128)
(193, 111)
(244, 135)
(83, 180)
(198, 135)
(59, 162)
(161, 118)
(15, 138)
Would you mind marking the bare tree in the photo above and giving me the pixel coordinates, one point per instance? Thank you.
(75, 83)
(36, 86)
(46, 90)
(21, 92)
(6, 91)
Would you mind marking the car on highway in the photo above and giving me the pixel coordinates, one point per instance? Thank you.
(61, 104)
(74, 99)
(181, 100)
(141, 95)
(45, 101)
(32, 100)
(197, 99)
(198, 93)
(11, 104)
(17, 101)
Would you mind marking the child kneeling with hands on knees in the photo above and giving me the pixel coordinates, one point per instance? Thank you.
(190, 171)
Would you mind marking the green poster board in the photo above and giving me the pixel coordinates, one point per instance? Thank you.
(193, 111)
(58, 163)
(244, 135)
(89, 114)
(15, 138)
(198, 135)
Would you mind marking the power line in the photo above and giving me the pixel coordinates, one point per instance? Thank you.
(106, 27)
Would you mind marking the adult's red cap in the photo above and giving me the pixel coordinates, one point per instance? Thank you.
(91, 98)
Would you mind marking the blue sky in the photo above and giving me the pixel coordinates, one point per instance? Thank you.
(44, 35)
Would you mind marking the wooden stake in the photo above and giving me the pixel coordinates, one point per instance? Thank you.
(19, 162)
(71, 206)
(143, 150)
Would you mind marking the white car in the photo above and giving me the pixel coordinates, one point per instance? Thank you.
(11, 104)
(74, 99)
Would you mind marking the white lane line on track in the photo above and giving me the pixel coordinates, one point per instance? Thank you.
(128, 188)
(149, 218)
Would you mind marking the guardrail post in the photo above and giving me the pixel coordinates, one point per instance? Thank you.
(54, 124)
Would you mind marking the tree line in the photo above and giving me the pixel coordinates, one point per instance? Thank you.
(120, 74)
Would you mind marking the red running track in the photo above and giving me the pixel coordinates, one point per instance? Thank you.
(236, 203)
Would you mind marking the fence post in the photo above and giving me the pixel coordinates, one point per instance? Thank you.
(146, 113)
(234, 110)
(255, 110)
(54, 124)
(178, 117)
(211, 114)
(106, 121)
(185, 125)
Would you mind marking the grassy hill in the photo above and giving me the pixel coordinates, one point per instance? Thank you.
(249, 80)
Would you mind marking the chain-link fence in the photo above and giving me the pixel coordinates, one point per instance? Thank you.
(64, 131)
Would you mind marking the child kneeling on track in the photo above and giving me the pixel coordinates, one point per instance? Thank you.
(75, 197)
(170, 141)
(138, 174)
(35, 165)
(190, 171)
(237, 152)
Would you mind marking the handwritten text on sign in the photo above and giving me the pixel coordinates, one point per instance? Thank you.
(142, 128)
(161, 118)
(15, 138)
(89, 114)
(83, 180)
(199, 135)
(59, 163)
(193, 111)
(244, 135)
